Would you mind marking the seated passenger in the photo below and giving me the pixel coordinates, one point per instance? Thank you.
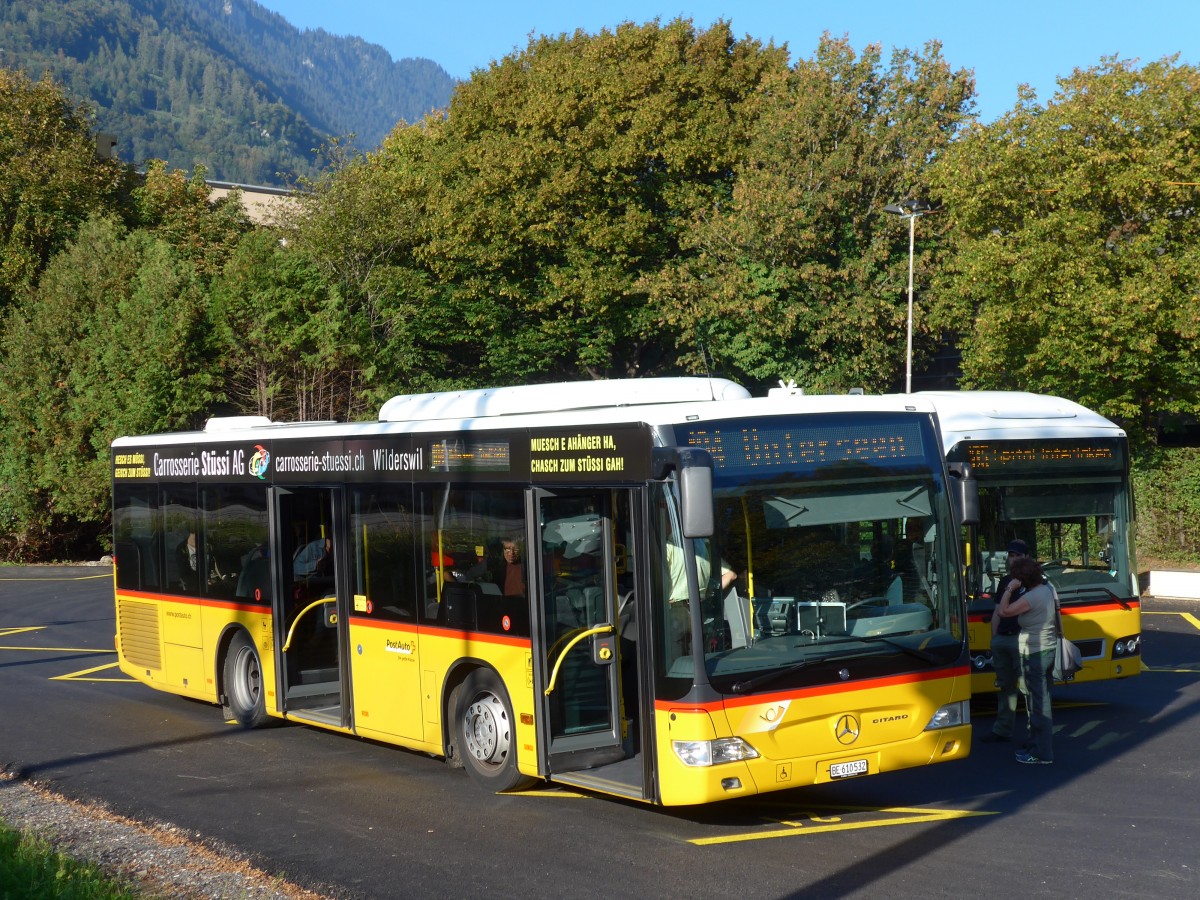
(510, 571)
(187, 561)
(908, 559)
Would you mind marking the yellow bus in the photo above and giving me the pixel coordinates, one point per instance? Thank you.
(1056, 475)
(658, 589)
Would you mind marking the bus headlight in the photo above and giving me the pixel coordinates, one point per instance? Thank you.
(1128, 646)
(951, 715)
(713, 753)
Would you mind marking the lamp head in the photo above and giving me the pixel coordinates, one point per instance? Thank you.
(908, 208)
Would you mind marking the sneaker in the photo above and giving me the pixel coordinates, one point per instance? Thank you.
(1024, 756)
(992, 738)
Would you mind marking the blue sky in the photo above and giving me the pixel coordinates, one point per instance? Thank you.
(1006, 43)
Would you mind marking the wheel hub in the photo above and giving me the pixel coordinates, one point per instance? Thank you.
(248, 682)
(486, 731)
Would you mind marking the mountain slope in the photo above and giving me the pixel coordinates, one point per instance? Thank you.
(222, 83)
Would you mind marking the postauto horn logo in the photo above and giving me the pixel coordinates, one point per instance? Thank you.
(260, 461)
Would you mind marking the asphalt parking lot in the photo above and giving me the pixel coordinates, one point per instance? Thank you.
(1117, 815)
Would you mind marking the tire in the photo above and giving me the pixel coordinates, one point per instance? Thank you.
(453, 753)
(485, 734)
(245, 700)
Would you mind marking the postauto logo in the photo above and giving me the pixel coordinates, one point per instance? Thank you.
(260, 462)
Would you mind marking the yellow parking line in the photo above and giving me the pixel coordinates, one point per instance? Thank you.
(58, 649)
(76, 578)
(569, 795)
(907, 816)
(79, 676)
(5, 632)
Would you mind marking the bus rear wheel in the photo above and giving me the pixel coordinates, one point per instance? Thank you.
(244, 698)
(486, 738)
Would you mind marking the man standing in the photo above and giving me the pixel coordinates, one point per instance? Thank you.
(1006, 656)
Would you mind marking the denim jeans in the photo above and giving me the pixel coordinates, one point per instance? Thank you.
(1037, 667)
(1006, 660)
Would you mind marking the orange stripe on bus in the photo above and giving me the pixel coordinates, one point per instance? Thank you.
(208, 602)
(441, 631)
(817, 690)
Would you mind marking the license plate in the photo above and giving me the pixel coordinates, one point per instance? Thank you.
(848, 769)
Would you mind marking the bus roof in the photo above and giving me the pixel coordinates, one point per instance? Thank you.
(651, 401)
(549, 398)
(1013, 415)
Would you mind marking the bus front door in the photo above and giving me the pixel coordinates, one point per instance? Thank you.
(308, 637)
(580, 647)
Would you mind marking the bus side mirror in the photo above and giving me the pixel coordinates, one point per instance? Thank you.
(696, 493)
(964, 494)
(693, 468)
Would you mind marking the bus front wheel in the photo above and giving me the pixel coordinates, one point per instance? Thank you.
(244, 699)
(486, 738)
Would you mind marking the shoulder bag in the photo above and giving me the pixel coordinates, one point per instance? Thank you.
(1067, 658)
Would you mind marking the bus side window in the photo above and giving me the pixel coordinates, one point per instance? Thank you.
(137, 537)
(236, 539)
(461, 534)
(384, 539)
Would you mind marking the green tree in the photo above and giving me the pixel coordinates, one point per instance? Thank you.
(50, 178)
(516, 238)
(1076, 234)
(178, 209)
(579, 165)
(113, 342)
(289, 347)
(802, 275)
(363, 226)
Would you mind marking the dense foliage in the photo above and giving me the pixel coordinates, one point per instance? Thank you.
(1076, 244)
(519, 236)
(653, 199)
(50, 180)
(801, 275)
(226, 85)
(1166, 483)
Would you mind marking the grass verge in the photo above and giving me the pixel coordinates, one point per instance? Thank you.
(29, 867)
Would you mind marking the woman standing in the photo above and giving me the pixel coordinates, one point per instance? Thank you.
(1034, 610)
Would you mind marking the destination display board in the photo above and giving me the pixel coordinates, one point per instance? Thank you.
(605, 453)
(1048, 456)
(799, 443)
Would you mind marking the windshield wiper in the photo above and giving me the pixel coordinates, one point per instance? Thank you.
(923, 655)
(742, 687)
(1092, 589)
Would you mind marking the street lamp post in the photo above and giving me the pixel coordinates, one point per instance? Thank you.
(909, 209)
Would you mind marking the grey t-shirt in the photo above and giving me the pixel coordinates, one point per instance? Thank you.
(1038, 628)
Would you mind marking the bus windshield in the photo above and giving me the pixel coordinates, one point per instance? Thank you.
(1068, 499)
(1078, 531)
(818, 561)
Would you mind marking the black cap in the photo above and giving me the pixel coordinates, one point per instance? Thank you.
(1018, 547)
